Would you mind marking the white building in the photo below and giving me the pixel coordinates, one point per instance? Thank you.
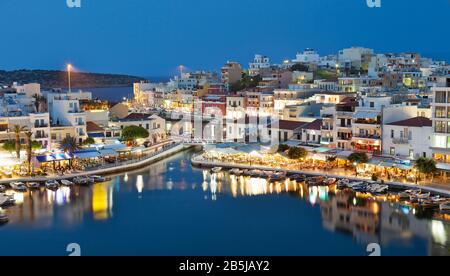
(29, 89)
(307, 56)
(356, 57)
(259, 62)
(408, 138)
(440, 141)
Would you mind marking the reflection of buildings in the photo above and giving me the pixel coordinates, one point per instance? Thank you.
(383, 223)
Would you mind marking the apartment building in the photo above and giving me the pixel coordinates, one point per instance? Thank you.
(440, 141)
(259, 62)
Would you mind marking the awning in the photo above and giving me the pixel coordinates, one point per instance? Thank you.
(54, 157)
(443, 167)
(108, 152)
(366, 115)
(344, 154)
(86, 154)
(96, 135)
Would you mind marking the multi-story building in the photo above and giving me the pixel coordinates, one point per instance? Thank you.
(408, 138)
(356, 58)
(231, 73)
(259, 62)
(440, 141)
(367, 120)
(307, 56)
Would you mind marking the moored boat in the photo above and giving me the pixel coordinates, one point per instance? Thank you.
(18, 186)
(236, 172)
(277, 176)
(298, 177)
(445, 207)
(33, 185)
(97, 178)
(67, 183)
(6, 200)
(52, 184)
(342, 183)
(216, 169)
(329, 181)
(315, 180)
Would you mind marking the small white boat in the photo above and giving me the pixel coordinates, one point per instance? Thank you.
(52, 184)
(343, 183)
(2, 188)
(97, 178)
(6, 200)
(216, 169)
(33, 185)
(445, 207)
(18, 186)
(67, 183)
(329, 181)
(236, 172)
(3, 217)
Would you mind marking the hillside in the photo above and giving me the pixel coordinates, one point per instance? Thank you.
(58, 79)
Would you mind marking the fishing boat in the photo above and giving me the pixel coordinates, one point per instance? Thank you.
(18, 186)
(216, 169)
(3, 217)
(315, 180)
(428, 204)
(33, 185)
(358, 186)
(445, 207)
(404, 196)
(237, 172)
(278, 176)
(97, 178)
(343, 183)
(377, 188)
(256, 173)
(329, 181)
(83, 180)
(52, 184)
(66, 183)
(2, 188)
(298, 177)
(6, 200)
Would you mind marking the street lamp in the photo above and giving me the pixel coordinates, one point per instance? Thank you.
(69, 69)
(356, 168)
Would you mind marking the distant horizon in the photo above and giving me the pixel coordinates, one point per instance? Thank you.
(435, 57)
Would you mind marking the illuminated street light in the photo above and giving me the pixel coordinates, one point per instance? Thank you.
(69, 69)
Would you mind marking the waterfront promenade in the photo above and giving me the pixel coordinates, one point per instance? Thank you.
(147, 158)
(199, 161)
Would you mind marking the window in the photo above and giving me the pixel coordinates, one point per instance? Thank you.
(440, 127)
(392, 133)
(372, 104)
(392, 151)
(440, 141)
(440, 97)
(411, 154)
(441, 112)
(410, 135)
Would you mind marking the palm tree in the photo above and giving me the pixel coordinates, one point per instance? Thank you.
(17, 129)
(426, 166)
(29, 148)
(69, 145)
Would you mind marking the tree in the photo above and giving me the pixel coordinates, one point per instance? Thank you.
(299, 67)
(89, 141)
(9, 146)
(358, 158)
(283, 148)
(29, 148)
(69, 145)
(297, 153)
(17, 129)
(131, 133)
(425, 166)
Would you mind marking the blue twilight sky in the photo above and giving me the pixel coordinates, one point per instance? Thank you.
(152, 37)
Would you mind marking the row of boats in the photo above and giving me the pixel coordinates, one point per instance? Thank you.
(53, 184)
(417, 197)
(274, 176)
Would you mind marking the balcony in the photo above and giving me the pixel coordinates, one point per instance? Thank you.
(344, 138)
(41, 136)
(367, 122)
(367, 136)
(40, 125)
(327, 127)
(400, 141)
(326, 140)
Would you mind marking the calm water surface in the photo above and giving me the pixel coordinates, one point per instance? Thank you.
(171, 208)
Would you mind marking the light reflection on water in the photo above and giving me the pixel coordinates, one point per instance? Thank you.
(366, 220)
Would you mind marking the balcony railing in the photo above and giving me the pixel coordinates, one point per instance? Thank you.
(367, 136)
(41, 136)
(327, 127)
(400, 141)
(367, 122)
(40, 125)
